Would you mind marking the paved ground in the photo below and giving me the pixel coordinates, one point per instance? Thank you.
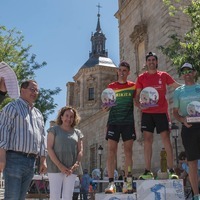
(2, 196)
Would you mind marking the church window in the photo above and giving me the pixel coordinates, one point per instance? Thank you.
(91, 94)
(139, 39)
(141, 55)
(93, 161)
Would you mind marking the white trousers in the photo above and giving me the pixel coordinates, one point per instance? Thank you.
(61, 186)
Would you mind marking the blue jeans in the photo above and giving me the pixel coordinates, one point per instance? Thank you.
(84, 193)
(18, 173)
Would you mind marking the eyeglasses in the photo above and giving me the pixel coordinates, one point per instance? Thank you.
(33, 90)
(187, 71)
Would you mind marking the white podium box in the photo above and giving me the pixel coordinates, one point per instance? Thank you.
(171, 189)
(116, 196)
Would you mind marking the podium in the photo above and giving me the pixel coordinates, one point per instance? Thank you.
(169, 189)
(116, 196)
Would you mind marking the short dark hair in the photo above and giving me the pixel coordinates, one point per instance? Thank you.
(85, 171)
(124, 64)
(26, 83)
(151, 54)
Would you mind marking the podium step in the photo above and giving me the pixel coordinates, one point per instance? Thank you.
(116, 196)
(169, 189)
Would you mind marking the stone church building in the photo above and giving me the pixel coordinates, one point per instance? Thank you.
(143, 26)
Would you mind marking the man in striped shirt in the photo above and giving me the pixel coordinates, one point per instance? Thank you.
(22, 139)
(3, 90)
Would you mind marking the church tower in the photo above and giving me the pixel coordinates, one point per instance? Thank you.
(143, 26)
(98, 40)
(93, 77)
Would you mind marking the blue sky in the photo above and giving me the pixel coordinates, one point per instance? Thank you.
(60, 31)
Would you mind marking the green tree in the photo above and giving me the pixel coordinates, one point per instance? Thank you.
(185, 48)
(19, 58)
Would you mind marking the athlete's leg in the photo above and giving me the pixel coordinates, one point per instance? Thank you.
(193, 175)
(128, 148)
(148, 141)
(112, 152)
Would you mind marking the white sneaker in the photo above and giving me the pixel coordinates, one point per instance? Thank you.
(111, 188)
(124, 189)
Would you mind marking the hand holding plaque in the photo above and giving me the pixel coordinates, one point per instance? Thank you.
(149, 97)
(193, 110)
(108, 98)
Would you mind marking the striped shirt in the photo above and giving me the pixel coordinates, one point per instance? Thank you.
(22, 128)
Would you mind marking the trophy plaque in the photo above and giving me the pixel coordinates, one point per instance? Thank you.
(193, 110)
(108, 97)
(149, 97)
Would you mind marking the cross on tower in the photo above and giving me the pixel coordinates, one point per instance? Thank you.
(99, 7)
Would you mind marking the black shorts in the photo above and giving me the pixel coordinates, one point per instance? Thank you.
(150, 121)
(127, 132)
(191, 141)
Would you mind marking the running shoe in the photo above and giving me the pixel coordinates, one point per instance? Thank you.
(172, 174)
(147, 175)
(124, 189)
(111, 188)
(196, 197)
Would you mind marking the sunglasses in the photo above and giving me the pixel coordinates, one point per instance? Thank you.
(187, 71)
(33, 90)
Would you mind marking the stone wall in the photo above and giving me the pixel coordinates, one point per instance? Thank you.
(139, 21)
(148, 21)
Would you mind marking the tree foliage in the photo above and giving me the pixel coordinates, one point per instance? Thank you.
(185, 48)
(19, 58)
(45, 102)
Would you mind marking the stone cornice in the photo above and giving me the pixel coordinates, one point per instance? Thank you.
(94, 69)
(122, 6)
(139, 32)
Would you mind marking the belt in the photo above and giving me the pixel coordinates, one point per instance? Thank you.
(28, 155)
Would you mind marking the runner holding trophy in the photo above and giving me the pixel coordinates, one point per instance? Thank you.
(149, 97)
(108, 98)
(193, 110)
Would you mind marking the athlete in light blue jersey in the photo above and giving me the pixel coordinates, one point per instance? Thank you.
(187, 99)
(186, 110)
